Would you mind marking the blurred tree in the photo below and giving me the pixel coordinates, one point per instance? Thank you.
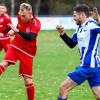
(37, 6)
(12, 7)
(49, 7)
(44, 8)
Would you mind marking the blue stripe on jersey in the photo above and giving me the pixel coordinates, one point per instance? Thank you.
(92, 41)
(74, 38)
(82, 52)
(96, 30)
(96, 52)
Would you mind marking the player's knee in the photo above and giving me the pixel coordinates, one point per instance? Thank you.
(63, 88)
(28, 80)
(4, 64)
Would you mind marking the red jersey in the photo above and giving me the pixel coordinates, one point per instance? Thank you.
(28, 47)
(4, 21)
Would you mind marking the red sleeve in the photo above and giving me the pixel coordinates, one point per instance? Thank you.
(36, 26)
(7, 19)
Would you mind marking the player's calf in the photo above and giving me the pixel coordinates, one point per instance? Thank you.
(2, 69)
(30, 91)
(3, 66)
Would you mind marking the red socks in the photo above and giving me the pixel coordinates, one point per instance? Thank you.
(29, 87)
(30, 91)
(1, 69)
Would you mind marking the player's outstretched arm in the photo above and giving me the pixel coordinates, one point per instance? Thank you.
(69, 41)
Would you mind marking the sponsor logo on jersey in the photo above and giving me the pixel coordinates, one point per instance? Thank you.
(28, 29)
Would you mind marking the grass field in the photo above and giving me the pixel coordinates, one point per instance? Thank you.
(53, 61)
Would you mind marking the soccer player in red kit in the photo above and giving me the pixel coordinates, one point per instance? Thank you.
(5, 20)
(23, 46)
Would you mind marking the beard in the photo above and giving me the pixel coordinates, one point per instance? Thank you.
(78, 22)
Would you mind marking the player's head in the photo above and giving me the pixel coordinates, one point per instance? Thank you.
(80, 13)
(25, 12)
(3, 8)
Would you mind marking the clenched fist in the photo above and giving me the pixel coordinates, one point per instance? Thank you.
(60, 28)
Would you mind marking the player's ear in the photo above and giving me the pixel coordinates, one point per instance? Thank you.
(80, 16)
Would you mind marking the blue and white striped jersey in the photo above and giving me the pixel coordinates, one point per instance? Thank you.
(87, 37)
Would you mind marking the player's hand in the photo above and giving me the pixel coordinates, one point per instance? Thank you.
(11, 33)
(1, 35)
(95, 14)
(60, 28)
(13, 28)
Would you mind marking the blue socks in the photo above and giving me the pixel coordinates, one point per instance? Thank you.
(59, 98)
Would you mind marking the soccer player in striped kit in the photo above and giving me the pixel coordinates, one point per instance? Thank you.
(95, 15)
(23, 46)
(87, 38)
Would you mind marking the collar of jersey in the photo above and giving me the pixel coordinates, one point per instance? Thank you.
(85, 23)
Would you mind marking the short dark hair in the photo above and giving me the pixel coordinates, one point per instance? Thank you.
(82, 8)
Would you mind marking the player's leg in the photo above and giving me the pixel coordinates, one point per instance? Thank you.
(6, 44)
(96, 92)
(3, 66)
(94, 83)
(26, 71)
(29, 87)
(1, 46)
(9, 58)
(65, 86)
(74, 78)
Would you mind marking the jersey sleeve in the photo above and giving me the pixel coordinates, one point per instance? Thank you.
(95, 28)
(36, 26)
(74, 37)
(7, 19)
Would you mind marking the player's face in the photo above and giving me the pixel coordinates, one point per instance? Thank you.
(77, 17)
(25, 15)
(2, 10)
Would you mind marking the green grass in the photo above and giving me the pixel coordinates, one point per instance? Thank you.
(53, 61)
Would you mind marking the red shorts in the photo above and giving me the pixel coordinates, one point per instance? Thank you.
(13, 54)
(4, 44)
